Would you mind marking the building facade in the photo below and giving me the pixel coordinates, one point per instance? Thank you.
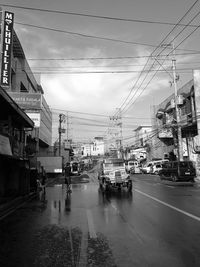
(165, 142)
(19, 82)
(14, 162)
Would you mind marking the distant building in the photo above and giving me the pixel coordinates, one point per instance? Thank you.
(142, 135)
(95, 148)
(98, 147)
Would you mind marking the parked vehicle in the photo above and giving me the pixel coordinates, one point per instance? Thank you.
(132, 166)
(156, 168)
(75, 168)
(148, 168)
(178, 171)
(113, 175)
(52, 165)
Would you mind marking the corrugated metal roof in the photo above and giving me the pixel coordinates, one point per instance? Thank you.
(17, 48)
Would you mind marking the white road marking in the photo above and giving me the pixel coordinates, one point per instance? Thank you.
(170, 206)
(91, 224)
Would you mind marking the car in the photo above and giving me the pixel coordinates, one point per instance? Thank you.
(148, 168)
(178, 171)
(112, 174)
(156, 168)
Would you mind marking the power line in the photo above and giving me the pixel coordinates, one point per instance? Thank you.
(106, 72)
(108, 58)
(95, 16)
(126, 104)
(93, 36)
(57, 111)
(86, 35)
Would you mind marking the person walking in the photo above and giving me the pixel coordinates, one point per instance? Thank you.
(68, 177)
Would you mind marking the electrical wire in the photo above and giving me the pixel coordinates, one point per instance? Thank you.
(94, 16)
(154, 61)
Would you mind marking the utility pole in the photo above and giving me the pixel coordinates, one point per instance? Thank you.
(179, 134)
(61, 119)
(117, 118)
(67, 127)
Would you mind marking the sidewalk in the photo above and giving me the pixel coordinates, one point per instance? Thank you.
(12, 204)
(9, 205)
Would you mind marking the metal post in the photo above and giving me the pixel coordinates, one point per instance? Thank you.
(59, 132)
(179, 134)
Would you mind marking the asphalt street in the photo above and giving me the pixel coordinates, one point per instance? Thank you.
(158, 224)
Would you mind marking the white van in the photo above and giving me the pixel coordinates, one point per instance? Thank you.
(132, 166)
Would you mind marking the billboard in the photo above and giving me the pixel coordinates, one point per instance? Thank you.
(7, 48)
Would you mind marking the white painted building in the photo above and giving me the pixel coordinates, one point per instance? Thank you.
(95, 148)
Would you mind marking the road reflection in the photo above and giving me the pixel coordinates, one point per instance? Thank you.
(68, 203)
(118, 196)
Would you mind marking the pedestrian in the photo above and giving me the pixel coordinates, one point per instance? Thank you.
(43, 182)
(68, 177)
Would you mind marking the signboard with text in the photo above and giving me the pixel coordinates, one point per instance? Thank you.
(35, 117)
(7, 48)
(30, 101)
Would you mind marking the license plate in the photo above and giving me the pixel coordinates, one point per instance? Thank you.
(187, 173)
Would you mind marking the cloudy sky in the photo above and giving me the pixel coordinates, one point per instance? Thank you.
(88, 56)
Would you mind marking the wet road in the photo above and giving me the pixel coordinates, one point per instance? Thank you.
(157, 225)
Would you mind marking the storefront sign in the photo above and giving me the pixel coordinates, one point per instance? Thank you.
(27, 100)
(35, 117)
(7, 48)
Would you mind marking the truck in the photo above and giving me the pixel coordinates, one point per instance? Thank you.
(112, 174)
(52, 165)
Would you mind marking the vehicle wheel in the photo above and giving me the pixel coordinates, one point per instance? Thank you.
(173, 177)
